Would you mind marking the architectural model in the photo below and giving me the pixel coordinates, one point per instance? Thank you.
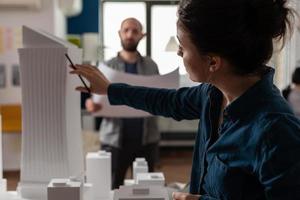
(98, 173)
(140, 165)
(138, 192)
(143, 177)
(51, 126)
(64, 189)
(88, 193)
(155, 178)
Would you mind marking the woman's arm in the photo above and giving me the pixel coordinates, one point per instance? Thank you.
(185, 103)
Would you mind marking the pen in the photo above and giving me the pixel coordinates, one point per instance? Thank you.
(73, 66)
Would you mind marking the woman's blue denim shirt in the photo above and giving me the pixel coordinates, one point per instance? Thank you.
(254, 154)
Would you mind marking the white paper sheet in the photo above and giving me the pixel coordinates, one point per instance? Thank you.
(170, 80)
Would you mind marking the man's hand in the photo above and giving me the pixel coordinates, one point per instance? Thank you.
(184, 196)
(98, 82)
(91, 106)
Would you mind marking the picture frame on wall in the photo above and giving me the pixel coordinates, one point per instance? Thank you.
(16, 75)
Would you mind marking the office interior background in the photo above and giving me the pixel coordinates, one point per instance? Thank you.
(93, 26)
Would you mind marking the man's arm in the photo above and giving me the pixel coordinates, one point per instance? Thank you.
(92, 106)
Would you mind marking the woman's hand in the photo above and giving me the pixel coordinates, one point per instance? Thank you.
(184, 196)
(98, 82)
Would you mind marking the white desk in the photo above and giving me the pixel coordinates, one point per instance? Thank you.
(12, 195)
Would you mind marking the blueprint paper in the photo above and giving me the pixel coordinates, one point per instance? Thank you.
(170, 80)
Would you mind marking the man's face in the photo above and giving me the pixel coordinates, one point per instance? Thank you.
(130, 35)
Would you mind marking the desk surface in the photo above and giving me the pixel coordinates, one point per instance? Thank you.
(12, 195)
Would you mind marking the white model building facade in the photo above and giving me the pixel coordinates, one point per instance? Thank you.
(140, 165)
(138, 192)
(51, 126)
(64, 189)
(154, 178)
(98, 173)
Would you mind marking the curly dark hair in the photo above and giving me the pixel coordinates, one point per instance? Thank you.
(296, 76)
(241, 31)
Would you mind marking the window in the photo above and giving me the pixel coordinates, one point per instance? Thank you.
(163, 27)
(113, 14)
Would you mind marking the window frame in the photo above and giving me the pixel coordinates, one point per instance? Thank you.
(149, 4)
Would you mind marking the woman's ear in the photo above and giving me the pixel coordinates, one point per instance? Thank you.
(215, 63)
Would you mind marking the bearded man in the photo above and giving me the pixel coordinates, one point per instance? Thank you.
(129, 138)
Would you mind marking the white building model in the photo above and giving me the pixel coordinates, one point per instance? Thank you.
(154, 178)
(65, 189)
(98, 173)
(145, 185)
(51, 126)
(140, 165)
(138, 192)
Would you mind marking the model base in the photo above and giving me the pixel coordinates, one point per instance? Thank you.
(34, 191)
(3, 185)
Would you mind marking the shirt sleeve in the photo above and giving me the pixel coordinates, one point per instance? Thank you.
(279, 160)
(184, 103)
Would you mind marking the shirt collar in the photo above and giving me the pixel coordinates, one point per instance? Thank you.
(120, 59)
(249, 100)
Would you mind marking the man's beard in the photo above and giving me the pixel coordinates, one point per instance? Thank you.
(132, 47)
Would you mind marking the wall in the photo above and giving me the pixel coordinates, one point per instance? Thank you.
(48, 18)
(285, 60)
(298, 35)
(87, 21)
